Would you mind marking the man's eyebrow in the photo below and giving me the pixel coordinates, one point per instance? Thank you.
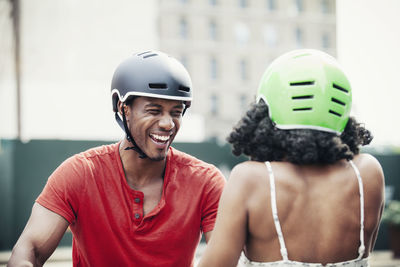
(179, 105)
(153, 105)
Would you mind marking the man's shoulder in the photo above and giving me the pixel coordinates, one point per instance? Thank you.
(183, 159)
(99, 151)
(190, 168)
(92, 157)
(79, 164)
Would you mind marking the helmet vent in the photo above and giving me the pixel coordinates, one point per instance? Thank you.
(340, 88)
(338, 101)
(302, 55)
(151, 55)
(335, 113)
(302, 97)
(158, 85)
(184, 88)
(143, 53)
(301, 109)
(301, 83)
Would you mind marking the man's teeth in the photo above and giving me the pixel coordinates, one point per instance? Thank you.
(160, 137)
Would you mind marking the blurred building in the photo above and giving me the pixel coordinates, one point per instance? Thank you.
(73, 50)
(227, 44)
(68, 51)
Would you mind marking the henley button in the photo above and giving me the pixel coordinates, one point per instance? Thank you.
(137, 200)
(137, 215)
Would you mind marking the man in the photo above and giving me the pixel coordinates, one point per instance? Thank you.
(138, 202)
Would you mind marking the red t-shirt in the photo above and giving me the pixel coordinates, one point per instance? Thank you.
(106, 216)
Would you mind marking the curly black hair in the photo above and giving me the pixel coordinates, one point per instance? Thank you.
(257, 137)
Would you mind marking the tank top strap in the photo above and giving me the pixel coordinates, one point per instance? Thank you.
(275, 212)
(361, 249)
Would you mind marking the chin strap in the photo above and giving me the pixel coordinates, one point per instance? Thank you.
(122, 123)
(184, 109)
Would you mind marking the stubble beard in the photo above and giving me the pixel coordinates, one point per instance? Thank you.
(160, 157)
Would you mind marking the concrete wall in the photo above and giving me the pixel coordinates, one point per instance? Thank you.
(7, 152)
(25, 167)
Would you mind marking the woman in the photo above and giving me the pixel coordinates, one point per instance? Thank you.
(306, 197)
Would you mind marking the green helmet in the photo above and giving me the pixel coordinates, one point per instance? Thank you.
(306, 89)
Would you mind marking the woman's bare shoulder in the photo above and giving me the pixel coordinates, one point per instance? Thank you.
(368, 165)
(248, 174)
(371, 172)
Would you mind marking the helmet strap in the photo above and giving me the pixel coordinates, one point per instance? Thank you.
(123, 124)
(184, 109)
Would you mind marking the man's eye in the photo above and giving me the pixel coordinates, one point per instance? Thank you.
(177, 113)
(153, 111)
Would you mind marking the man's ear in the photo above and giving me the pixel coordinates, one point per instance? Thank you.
(121, 106)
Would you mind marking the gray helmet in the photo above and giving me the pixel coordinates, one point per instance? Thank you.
(152, 74)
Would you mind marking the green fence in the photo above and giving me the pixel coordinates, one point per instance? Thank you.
(25, 167)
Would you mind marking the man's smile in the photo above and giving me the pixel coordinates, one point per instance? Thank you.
(160, 138)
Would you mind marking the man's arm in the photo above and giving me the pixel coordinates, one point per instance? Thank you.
(39, 239)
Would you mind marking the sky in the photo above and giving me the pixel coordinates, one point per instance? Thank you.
(368, 47)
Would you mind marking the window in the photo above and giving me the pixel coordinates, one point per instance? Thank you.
(325, 6)
(242, 33)
(271, 4)
(299, 37)
(183, 1)
(213, 30)
(243, 69)
(325, 41)
(213, 68)
(243, 102)
(183, 28)
(214, 104)
(185, 61)
(299, 6)
(270, 35)
(243, 3)
(212, 2)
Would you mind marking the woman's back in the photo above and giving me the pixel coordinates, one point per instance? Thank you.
(307, 195)
(318, 209)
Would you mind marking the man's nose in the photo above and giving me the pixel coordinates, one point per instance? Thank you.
(166, 122)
